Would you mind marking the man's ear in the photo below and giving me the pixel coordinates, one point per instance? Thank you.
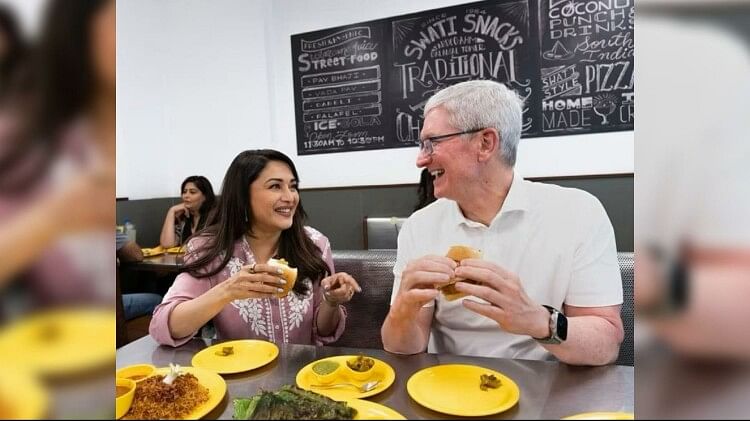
(489, 144)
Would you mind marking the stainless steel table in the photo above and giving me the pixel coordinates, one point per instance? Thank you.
(549, 390)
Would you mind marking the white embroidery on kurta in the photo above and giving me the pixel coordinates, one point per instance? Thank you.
(293, 308)
(251, 310)
(269, 318)
(298, 306)
(258, 313)
(234, 265)
(283, 317)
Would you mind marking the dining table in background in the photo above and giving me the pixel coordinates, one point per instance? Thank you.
(549, 389)
(166, 262)
(163, 267)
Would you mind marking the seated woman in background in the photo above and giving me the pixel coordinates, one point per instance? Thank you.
(228, 277)
(186, 218)
(425, 190)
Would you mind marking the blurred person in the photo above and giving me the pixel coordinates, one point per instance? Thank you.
(425, 192)
(57, 160)
(57, 169)
(138, 303)
(228, 278)
(692, 244)
(188, 217)
(692, 240)
(548, 285)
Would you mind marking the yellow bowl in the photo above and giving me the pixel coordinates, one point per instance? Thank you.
(327, 377)
(123, 402)
(359, 375)
(137, 372)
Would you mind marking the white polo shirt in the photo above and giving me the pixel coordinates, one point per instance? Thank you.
(559, 241)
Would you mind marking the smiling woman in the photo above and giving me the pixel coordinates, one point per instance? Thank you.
(232, 273)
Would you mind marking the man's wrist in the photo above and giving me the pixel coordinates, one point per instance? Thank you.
(542, 326)
(402, 311)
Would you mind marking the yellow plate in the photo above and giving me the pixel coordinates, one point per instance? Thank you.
(602, 416)
(22, 396)
(306, 378)
(454, 389)
(176, 250)
(248, 354)
(149, 252)
(215, 384)
(367, 410)
(60, 342)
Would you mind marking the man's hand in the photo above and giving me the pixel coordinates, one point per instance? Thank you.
(418, 282)
(507, 301)
(406, 329)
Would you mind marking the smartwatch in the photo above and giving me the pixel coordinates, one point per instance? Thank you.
(558, 327)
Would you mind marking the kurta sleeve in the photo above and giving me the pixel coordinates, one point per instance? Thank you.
(185, 288)
(325, 247)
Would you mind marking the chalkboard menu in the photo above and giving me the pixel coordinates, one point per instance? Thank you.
(364, 86)
(586, 65)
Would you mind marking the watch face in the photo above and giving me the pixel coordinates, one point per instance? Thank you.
(562, 326)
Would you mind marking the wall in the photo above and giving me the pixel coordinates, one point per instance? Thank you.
(339, 213)
(191, 91)
(200, 81)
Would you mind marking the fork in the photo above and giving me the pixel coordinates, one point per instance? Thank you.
(364, 388)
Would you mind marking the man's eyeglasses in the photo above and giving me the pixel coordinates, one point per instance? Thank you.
(426, 146)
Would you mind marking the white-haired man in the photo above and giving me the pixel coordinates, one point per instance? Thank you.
(549, 281)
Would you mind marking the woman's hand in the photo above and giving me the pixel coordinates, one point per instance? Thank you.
(339, 288)
(179, 211)
(252, 282)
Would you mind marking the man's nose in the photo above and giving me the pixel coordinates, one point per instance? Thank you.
(423, 159)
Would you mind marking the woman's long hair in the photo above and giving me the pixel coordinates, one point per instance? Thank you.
(425, 192)
(202, 184)
(14, 54)
(234, 218)
(60, 84)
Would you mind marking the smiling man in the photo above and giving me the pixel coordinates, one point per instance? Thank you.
(548, 283)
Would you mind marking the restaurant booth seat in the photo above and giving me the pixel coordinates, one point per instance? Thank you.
(373, 269)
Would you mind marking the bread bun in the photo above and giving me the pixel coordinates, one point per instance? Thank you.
(289, 274)
(458, 253)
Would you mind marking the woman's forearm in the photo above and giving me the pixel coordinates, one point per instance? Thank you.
(167, 238)
(189, 316)
(328, 318)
